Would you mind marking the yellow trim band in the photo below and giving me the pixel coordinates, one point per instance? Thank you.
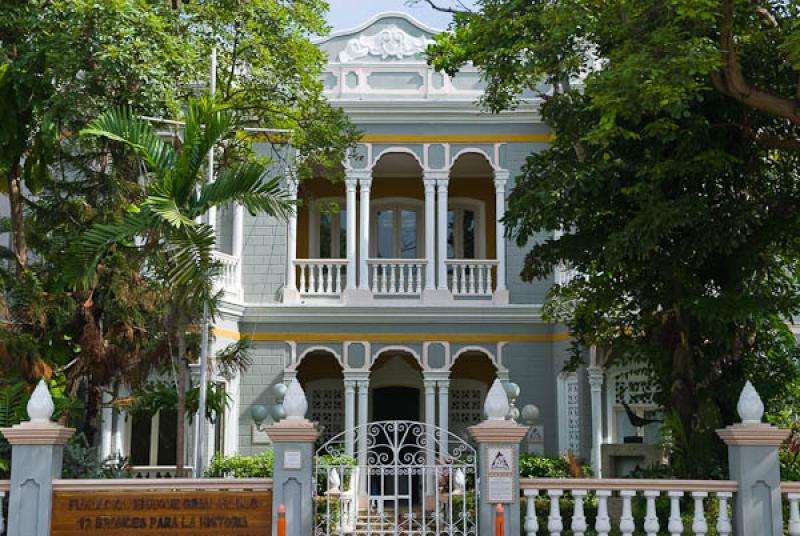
(457, 138)
(395, 337)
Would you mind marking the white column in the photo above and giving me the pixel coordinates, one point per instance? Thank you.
(500, 179)
(365, 182)
(363, 399)
(351, 183)
(444, 413)
(120, 426)
(349, 415)
(596, 386)
(430, 424)
(238, 245)
(430, 232)
(107, 416)
(291, 238)
(441, 230)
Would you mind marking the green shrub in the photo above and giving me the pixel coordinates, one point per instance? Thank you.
(533, 466)
(258, 466)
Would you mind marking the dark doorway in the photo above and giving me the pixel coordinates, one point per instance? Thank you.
(395, 404)
(392, 484)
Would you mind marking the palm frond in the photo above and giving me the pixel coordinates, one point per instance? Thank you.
(245, 184)
(119, 124)
(192, 262)
(207, 123)
(82, 256)
(165, 207)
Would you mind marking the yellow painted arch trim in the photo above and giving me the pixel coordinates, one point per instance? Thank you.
(395, 337)
(457, 138)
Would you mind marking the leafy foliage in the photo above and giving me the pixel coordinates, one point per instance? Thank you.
(675, 175)
(258, 466)
(533, 466)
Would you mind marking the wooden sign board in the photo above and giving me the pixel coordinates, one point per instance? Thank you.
(174, 513)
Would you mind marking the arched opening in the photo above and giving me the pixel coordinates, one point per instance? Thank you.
(321, 218)
(471, 226)
(471, 209)
(396, 387)
(471, 376)
(397, 208)
(320, 374)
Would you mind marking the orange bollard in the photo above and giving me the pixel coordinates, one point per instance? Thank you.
(499, 521)
(281, 520)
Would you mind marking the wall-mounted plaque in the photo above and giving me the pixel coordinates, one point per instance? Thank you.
(292, 459)
(502, 480)
(501, 489)
(178, 513)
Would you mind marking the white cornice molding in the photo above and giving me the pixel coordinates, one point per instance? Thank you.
(381, 314)
(388, 111)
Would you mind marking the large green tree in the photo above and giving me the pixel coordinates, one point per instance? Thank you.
(167, 226)
(675, 175)
(63, 63)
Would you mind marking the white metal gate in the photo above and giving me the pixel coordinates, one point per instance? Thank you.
(406, 478)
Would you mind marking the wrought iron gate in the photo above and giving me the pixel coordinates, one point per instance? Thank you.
(403, 478)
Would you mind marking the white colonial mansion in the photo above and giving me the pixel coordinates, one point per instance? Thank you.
(395, 295)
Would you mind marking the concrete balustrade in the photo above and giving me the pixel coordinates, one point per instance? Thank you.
(626, 491)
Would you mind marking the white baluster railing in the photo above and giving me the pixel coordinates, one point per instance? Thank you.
(396, 277)
(230, 276)
(627, 490)
(792, 492)
(320, 277)
(471, 277)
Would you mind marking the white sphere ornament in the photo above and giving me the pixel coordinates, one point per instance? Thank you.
(496, 405)
(279, 390)
(530, 413)
(750, 406)
(40, 406)
(295, 404)
(512, 390)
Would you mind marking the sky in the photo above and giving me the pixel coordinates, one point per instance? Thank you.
(346, 14)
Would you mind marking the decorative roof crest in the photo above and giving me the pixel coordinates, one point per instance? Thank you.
(390, 42)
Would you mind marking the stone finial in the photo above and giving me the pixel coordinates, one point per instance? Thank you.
(334, 481)
(750, 406)
(40, 406)
(295, 404)
(496, 405)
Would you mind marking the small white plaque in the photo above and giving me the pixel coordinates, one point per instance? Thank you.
(501, 489)
(500, 460)
(292, 459)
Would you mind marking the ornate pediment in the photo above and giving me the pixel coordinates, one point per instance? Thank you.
(390, 42)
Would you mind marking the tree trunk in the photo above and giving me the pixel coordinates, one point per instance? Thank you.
(180, 409)
(19, 244)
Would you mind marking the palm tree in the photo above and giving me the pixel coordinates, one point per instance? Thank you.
(166, 226)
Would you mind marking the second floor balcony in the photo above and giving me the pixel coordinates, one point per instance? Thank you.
(396, 231)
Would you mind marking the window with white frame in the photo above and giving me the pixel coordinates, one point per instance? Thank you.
(465, 229)
(397, 226)
(328, 229)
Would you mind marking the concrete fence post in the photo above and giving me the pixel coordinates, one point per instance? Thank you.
(292, 479)
(498, 442)
(753, 463)
(37, 449)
